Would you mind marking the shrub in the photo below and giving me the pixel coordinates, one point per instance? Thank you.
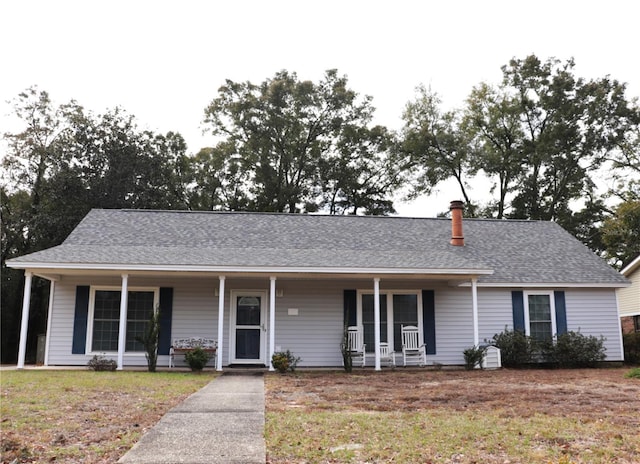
(573, 349)
(101, 363)
(196, 358)
(516, 348)
(633, 373)
(473, 357)
(631, 348)
(150, 340)
(283, 361)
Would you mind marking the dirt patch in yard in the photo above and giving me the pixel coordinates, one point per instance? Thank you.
(588, 393)
(541, 416)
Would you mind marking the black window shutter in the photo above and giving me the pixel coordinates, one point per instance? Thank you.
(429, 320)
(561, 312)
(80, 318)
(517, 299)
(166, 310)
(350, 307)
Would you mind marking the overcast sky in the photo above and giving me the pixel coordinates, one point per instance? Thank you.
(163, 61)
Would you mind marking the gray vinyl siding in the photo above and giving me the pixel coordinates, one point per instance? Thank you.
(590, 311)
(495, 312)
(454, 324)
(61, 334)
(594, 312)
(315, 333)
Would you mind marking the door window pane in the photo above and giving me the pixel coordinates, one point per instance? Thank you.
(367, 321)
(248, 310)
(247, 343)
(405, 312)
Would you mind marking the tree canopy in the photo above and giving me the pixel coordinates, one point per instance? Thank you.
(302, 146)
(543, 136)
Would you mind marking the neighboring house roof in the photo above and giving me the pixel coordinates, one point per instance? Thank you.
(513, 251)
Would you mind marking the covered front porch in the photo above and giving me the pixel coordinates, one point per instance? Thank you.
(251, 315)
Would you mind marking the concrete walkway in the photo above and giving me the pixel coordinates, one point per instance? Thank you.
(223, 422)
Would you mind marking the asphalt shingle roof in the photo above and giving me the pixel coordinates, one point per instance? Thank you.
(517, 251)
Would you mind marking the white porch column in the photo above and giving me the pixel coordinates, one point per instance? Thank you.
(122, 330)
(376, 319)
(220, 323)
(52, 287)
(474, 300)
(272, 319)
(24, 324)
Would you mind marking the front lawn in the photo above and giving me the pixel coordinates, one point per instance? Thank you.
(506, 416)
(84, 416)
(416, 416)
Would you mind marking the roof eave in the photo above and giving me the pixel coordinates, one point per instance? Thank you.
(245, 269)
(550, 284)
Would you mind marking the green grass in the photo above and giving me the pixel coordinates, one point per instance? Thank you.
(64, 415)
(633, 373)
(439, 436)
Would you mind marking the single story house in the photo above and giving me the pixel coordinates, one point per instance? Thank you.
(258, 283)
(629, 298)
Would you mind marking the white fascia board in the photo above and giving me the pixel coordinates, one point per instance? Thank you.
(247, 269)
(547, 285)
(629, 268)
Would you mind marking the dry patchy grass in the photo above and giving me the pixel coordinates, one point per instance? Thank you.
(506, 416)
(84, 416)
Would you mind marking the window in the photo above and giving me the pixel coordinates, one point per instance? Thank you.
(540, 321)
(636, 323)
(139, 309)
(105, 318)
(396, 309)
(368, 323)
(405, 312)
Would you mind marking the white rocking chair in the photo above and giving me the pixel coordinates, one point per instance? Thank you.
(387, 356)
(355, 346)
(412, 349)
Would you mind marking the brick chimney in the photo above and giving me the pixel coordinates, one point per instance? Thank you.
(457, 238)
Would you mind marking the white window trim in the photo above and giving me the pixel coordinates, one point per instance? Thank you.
(389, 293)
(552, 308)
(92, 302)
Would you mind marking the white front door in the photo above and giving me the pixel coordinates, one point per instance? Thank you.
(248, 328)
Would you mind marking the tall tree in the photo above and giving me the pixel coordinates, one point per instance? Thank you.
(220, 181)
(281, 130)
(360, 175)
(621, 233)
(625, 163)
(435, 147)
(492, 119)
(569, 126)
(64, 162)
